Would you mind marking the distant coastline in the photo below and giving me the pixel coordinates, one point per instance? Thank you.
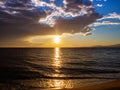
(97, 46)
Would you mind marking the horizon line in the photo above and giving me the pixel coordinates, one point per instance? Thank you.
(64, 47)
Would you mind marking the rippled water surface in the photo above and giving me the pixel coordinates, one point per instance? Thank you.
(57, 67)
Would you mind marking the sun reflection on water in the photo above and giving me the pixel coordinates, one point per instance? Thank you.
(57, 62)
(60, 84)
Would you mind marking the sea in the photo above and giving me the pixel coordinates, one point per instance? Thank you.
(57, 68)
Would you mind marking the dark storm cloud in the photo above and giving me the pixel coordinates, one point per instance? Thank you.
(76, 25)
(24, 18)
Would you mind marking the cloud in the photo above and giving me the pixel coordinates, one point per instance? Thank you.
(106, 20)
(76, 25)
(70, 9)
(24, 18)
(110, 16)
(105, 23)
(99, 5)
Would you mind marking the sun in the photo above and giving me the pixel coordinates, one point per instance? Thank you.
(57, 39)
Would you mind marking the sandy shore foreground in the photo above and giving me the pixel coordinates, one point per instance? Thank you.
(113, 85)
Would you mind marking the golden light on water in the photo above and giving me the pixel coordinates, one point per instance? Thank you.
(60, 84)
(57, 62)
(57, 39)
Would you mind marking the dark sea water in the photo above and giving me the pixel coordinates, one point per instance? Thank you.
(36, 69)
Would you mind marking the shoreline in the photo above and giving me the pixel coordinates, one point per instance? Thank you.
(111, 85)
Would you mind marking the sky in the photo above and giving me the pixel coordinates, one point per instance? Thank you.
(79, 23)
